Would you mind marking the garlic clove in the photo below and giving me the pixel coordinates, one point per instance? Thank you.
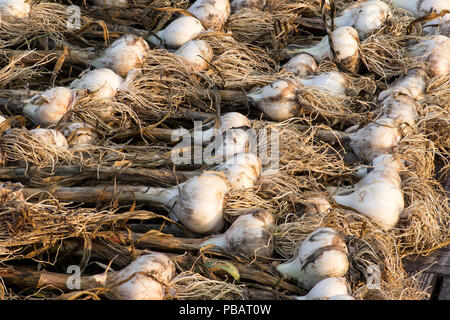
(100, 83)
(51, 137)
(80, 134)
(197, 53)
(328, 288)
(301, 65)
(412, 84)
(212, 13)
(242, 170)
(13, 9)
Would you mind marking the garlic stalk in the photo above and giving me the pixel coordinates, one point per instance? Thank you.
(423, 7)
(197, 53)
(124, 54)
(250, 234)
(237, 5)
(321, 255)
(435, 51)
(146, 278)
(50, 136)
(12, 9)
(383, 183)
(177, 33)
(49, 107)
(212, 13)
(412, 84)
(79, 134)
(301, 65)
(99, 83)
(333, 288)
(111, 3)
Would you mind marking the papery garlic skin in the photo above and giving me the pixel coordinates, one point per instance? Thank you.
(212, 13)
(435, 51)
(301, 65)
(250, 234)
(423, 7)
(412, 84)
(242, 170)
(227, 121)
(401, 108)
(328, 288)
(51, 137)
(199, 205)
(237, 5)
(145, 278)
(100, 83)
(125, 54)
(197, 53)
(333, 82)
(321, 255)
(177, 33)
(230, 143)
(111, 3)
(80, 134)
(13, 9)
(49, 107)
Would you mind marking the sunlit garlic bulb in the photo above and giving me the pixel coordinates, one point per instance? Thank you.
(237, 5)
(111, 3)
(51, 137)
(333, 288)
(250, 234)
(402, 109)
(13, 9)
(333, 82)
(321, 255)
(100, 83)
(79, 134)
(231, 142)
(378, 195)
(124, 54)
(177, 33)
(212, 13)
(435, 51)
(146, 278)
(423, 7)
(301, 65)
(49, 107)
(197, 52)
(242, 170)
(227, 121)
(412, 84)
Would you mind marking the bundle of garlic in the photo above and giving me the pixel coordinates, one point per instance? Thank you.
(321, 255)
(212, 13)
(333, 288)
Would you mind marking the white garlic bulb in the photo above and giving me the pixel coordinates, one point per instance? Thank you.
(423, 7)
(412, 84)
(333, 82)
(12, 9)
(321, 255)
(401, 108)
(2, 118)
(212, 13)
(51, 137)
(435, 51)
(49, 107)
(250, 234)
(231, 142)
(177, 33)
(124, 54)
(146, 278)
(197, 53)
(301, 65)
(440, 25)
(242, 170)
(100, 83)
(327, 289)
(237, 5)
(79, 134)
(227, 121)
(341, 297)
(111, 3)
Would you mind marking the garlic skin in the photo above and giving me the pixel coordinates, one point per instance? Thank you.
(327, 289)
(242, 170)
(301, 65)
(436, 52)
(212, 13)
(125, 54)
(278, 100)
(401, 108)
(199, 206)
(412, 84)
(237, 5)
(100, 83)
(177, 33)
(250, 234)
(438, 26)
(364, 17)
(145, 278)
(230, 143)
(197, 53)
(423, 7)
(13, 9)
(51, 137)
(2, 118)
(49, 107)
(383, 183)
(321, 255)
(333, 82)
(80, 134)
(227, 121)
(378, 137)
(111, 3)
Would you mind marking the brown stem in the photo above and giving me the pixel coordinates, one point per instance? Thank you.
(78, 57)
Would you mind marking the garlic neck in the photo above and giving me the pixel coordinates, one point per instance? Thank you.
(219, 240)
(159, 195)
(320, 51)
(292, 268)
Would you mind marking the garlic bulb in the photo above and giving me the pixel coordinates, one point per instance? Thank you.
(197, 53)
(212, 13)
(412, 84)
(177, 33)
(124, 54)
(321, 255)
(328, 288)
(79, 134)
(382, 183)
(345, 44)
(278, 100)
(333, 82)
(11, 9)
(231, 142)
(242, 170)
(237, 5)
(401, 108)
(227, 121)
(364, 17)
(146, 278)
(100, 83)
(436, 52)
(438, 26)
(423, 7)
(250, 234)
(301, 65)
(378, 137)
(2, 118)
(111, 3)
(49, 107)
(51, 137)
